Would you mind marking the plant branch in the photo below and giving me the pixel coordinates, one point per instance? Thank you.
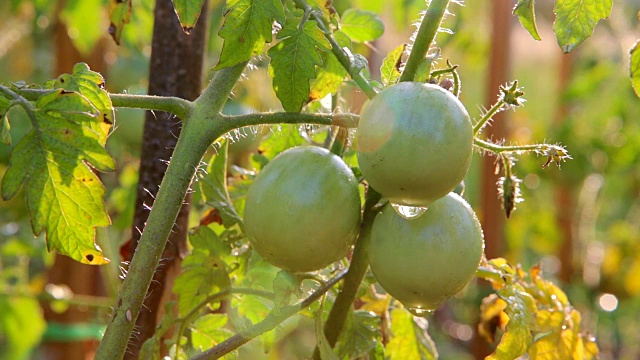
(426, 34)
(20, 100)
(272, 320)
(195, 138)
(342, 120)
(359, 264)
(486, 117)
(342, 56)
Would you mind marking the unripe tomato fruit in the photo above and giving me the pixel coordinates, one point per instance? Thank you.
(303, 210)
(424, 261)
(414, 143)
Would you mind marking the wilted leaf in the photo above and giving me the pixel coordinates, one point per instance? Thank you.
(521, 309)
(361, 25)
(405, 342)
(119, 16)
(64, 195)
(188, 12)
(213, 184)
(525, 9)
(359, 336)
(247, 27)
(329, 77)
(293, 63)
(390, 68)
(576, 19)
(492, 317)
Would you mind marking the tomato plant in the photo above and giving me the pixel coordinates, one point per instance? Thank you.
(422, 262)
(414, 143)
(303, 210)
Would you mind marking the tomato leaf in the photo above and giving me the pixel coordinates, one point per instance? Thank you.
(208, 331)
(213, 184)
(408, 340)
(203, 274)
(525, 10)
(293, 62)
(83, 19)
(119, 16)
(390, 68)
(521, 309)
(360, 25)
(247, 27)
(64, 195)
(326, 352)
(634, 68)
(285, 288)
(576, 19)
(21, 325)
(329, 77)
(91, 85)
(359, 336)
(188, 13)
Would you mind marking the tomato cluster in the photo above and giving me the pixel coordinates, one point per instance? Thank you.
(414, 146)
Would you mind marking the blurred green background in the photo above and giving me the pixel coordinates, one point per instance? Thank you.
(581, 222)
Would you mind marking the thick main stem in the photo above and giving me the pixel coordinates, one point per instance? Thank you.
(198, 133)
(426, 34)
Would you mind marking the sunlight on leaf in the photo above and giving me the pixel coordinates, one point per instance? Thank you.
(208, 331)
(247, 27)
(634, 68)
(83, 20)
(359, 336)
(188, 13)
(64, 195)
(361, 26)
(330, 76)
(119, 16)
(408, 340)
(525, 10)
(293, 62)
(576, 19)
(391, 65)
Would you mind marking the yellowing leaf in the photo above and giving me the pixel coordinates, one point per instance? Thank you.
(634, 68)
(525, 9)
(408, 341)
(63, 194)
(521, 309)
(330, 76)
(247, 27)
(188, 12)
(293, 62)
(119, 16)
(390, 68)
(576, 19)
(492, 316)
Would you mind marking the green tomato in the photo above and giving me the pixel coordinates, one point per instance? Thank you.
(414, 143)
(303, 210)
(424, 261)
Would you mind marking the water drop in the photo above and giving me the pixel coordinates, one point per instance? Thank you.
(409, 212)
(420, 312)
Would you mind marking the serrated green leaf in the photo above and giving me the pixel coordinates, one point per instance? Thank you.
(634, 68)
(188, 12)
(91, 85)
(390, 68)
(206, 240)
(213, 185)
(360, 335)
(202, 275)
(83, 19)
(521, 309)
(63, 194)
(119, 16)
(405, 342)
(361, 25)
(293, 62)
(21, 325)
(576, 19)
(208, 331)
(329, 77)
(247, 28)
(525, 10)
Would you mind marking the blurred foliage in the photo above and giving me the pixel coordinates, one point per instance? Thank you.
(596, 118)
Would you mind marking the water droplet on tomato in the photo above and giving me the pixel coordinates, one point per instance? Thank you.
(409, 212)
(420, 312)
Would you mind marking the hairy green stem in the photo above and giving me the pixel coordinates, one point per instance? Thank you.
(358, 268)
(498, 149)
(197, 135)
(426, 34)
(272, 320)
(342, 120)
(497, 107)
(341, 55)
(21, 101)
